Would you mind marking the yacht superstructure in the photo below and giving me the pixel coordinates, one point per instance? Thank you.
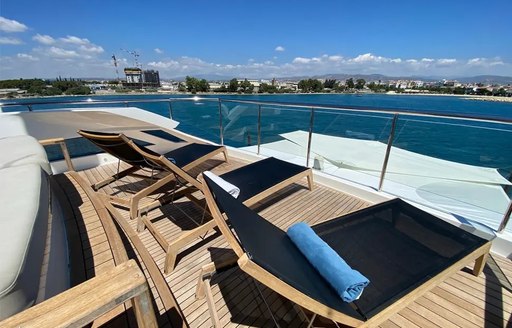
(338, 191)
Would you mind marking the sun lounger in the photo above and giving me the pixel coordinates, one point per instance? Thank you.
(256, 181)
(140, 157)
(402, 250)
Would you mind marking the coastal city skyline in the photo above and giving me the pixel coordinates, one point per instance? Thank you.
(260, 40)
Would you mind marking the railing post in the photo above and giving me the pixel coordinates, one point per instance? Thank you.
(311, 121)
(170, 110)
(259, 128)
(221, 132)
(388, 150)
(506, 217)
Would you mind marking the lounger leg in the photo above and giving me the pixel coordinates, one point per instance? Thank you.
(134, 204)
(310, 180)
(480, 264)
(141, 226)
(481, 260)
(226, 158)
(170, 258)
(211, 304)
(144, 312)
(209, 269)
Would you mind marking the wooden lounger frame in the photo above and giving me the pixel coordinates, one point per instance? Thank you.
(84, 303)
(133, 202)
(172, 248)
(109, 216)
(479, 256)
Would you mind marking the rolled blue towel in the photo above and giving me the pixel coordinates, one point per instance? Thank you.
(347, 282)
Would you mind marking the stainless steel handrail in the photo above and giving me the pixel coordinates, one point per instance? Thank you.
(310, 134)
(259, 128)
(388, 151)
(392, 111)
(506, 217)
(375, 110)
(312, 108)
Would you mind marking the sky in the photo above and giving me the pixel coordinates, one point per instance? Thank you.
(255, 39)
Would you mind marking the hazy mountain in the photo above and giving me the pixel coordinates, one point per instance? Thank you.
(485, 79)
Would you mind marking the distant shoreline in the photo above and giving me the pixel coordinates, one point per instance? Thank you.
(468, 97)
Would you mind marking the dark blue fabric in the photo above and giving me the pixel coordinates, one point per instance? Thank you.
(348, 283)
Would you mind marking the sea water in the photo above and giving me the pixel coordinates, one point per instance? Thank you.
(485, 144)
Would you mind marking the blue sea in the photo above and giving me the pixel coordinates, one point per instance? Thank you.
(486, 144)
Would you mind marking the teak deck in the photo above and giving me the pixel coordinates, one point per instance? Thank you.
(461, 301)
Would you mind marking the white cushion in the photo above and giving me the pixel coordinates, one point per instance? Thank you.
(11, 124)
(21, 150)
(23, 227)
(229, 187)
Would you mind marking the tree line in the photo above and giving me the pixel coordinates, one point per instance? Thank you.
(40, 87)
(314, 85)
(194, 85)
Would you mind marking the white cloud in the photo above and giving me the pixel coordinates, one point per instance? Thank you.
(62, 53)
(43, 39)
(75, 40)
(75, 56)
(446, 61)
(164, 64)
(27, 57)
(9, 40)
(69, 48)
(10, 25)
(92, 48)
(371, 58)
(279, 48)
(301, 60)
(159, 51)
(368, 58)
(485, 62)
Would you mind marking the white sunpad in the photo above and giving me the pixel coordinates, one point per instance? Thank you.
(229, 187)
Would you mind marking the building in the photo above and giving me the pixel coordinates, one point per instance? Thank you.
(133, 75)
(136, 78)
(151, 78)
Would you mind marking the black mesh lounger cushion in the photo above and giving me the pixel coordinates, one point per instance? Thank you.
(118, 148)
(259, 176)
(189, 153)
(395, 245)
(270, 248)
(180, 156)
(163, 135)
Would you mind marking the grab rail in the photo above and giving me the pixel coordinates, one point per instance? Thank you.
(396, 113)
(86, 302)
(63, 147)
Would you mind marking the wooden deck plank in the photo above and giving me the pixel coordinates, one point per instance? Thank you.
(461, 301)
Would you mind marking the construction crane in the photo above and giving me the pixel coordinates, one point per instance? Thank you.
(117, 71)
(135, 57)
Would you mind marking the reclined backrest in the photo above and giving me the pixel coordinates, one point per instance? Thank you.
(269, 247)
(118, 145)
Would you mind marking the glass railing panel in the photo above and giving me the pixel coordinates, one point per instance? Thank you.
(459, 166)
(350, 144)
(199, 118)
(284, 132)
(240, 125)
